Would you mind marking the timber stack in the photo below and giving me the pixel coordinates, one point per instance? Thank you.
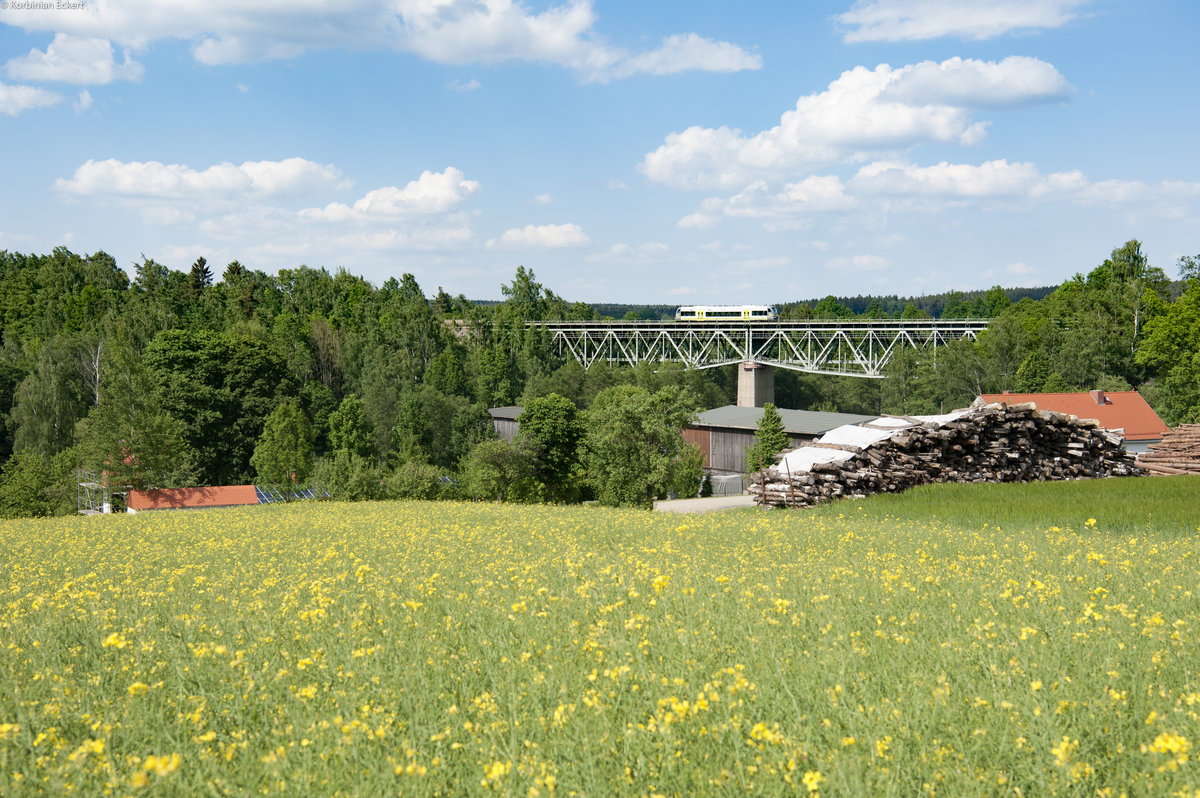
(984, 443)
(1177, 453)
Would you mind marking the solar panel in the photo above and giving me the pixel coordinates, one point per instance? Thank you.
(268, 495)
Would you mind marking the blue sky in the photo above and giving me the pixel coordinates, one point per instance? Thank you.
(666, 152)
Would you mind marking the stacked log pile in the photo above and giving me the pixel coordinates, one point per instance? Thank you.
(1177, 453)
(988, 443)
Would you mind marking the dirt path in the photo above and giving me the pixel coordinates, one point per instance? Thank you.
(707, 505)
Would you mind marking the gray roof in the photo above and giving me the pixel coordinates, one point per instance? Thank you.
(796, 422)
(510, 412)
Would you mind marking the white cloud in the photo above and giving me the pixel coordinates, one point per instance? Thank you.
(685, 52)
(989, 179)
(864, 111)
(72, 59)
(968, 83)
(810, 195)
(857, 263)
(546, 236)
(431, 193)
(650, 252)
(444, 31)
(463, 86)
(543, 199)
(151, 179)
(82, 102)
(15, 99)
(908, 20)
(698, 221)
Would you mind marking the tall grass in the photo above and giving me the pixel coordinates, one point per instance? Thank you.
(954, 641)
(1161, 504)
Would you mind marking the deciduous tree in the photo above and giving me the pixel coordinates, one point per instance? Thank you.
(284, 453)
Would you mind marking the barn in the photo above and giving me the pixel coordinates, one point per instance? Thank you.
(724, 434)
(504, 421)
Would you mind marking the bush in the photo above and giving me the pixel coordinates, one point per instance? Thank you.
(346, 476)
(414, 480)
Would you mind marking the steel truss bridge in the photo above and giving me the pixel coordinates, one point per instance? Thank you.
(854, 347)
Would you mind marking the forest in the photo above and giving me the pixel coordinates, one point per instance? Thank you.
(176, 378)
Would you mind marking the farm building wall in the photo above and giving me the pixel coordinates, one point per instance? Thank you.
(504, 421)
(726, 452)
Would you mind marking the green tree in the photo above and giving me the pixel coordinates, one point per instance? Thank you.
(497, 470)
(1033, 372)
(49, 400)
(346, 476)
(129, 435)
(414, 480)
(1171, 348)
(24, 487)
(284, 453)
(1189, 267)
(550, 431)
(633, 450)
(220, 388)
(349, 429)
(769, 440)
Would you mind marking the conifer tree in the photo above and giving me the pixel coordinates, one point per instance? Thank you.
(769, 439)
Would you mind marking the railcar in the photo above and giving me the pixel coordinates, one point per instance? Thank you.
(726, 313)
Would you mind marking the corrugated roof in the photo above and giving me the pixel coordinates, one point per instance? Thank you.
(182, 498)
(1113, 409)
(510, 412)
(797, 422)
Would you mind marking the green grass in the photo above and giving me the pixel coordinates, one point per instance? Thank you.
(954, 640)
(1162, 505)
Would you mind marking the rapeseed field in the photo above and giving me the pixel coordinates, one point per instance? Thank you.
(902, 647)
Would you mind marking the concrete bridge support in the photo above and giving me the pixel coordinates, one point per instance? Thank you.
(756, 384)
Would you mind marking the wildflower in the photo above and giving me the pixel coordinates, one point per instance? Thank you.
(1062, 751)
(115, 640)
(812, 780)
(494, 773)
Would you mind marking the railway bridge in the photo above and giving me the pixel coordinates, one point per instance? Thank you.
(844, 347)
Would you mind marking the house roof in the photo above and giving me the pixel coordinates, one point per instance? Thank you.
(181, 498)
(1113, 409)
(510, 412)
(796, 422)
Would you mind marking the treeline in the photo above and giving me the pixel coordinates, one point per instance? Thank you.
(180, 378)
(187, 378)
(948, 305)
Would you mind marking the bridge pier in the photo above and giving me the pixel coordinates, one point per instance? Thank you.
(756, 384)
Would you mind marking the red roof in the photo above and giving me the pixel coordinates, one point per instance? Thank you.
(181, 498)
(1113, 409)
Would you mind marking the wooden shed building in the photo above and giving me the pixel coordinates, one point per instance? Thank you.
(504, 420)
(724, 434)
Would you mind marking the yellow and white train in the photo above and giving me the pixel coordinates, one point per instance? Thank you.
(727, 313)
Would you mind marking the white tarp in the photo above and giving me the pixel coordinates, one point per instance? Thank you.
(861, 436)
(805, 457)
(854, 435)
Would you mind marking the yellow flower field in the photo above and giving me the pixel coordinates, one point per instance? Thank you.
(441, 649)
